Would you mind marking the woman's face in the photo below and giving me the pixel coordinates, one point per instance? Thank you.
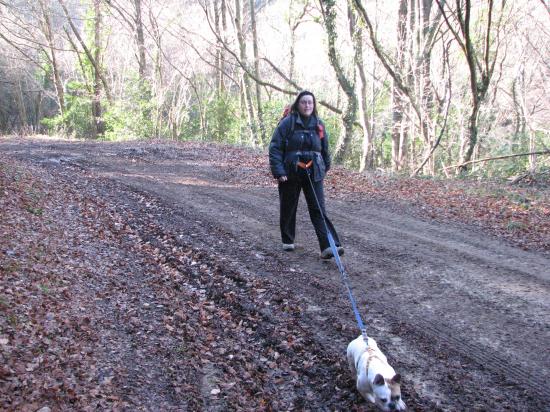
(306, 105)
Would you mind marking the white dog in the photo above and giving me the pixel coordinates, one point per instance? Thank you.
(376, 379)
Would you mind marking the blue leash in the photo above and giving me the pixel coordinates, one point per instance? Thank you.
(339, 264)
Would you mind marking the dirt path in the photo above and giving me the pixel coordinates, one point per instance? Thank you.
(463, 317)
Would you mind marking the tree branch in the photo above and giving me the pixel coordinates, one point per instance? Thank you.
(384, 60)
(256, 78)
(487, 159)
(87, 51)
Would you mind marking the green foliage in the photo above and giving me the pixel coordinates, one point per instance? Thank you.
(385, 149)
(224, 122)
(514, 225)
(131, 116)
(10, 267)
(273, 112)
(521, 200)
(37, 211)
(12, 320)
(190, 128)
(44, 289)
(333, 126)
(77, 119)
(44, 74)
(222, 119)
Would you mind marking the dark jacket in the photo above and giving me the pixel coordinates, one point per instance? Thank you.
(289, 146)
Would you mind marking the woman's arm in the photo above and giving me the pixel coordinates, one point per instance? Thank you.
(277, 151)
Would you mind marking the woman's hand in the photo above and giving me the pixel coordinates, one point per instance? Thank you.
(282, 179)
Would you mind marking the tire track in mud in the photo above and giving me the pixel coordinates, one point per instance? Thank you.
(486, 358)
(264, 334)
(454, 241)
(322, 336)
(445, 246)
(446, 335)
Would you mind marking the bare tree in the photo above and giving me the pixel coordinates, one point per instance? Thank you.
(140, 39)
(546, 5)
(190, 66)
(257, 70)
(135, 24)
(356, 33)
(294, 21)
(480, 59)
(399, 131)
(97, 111)
(410, 73)
(246, 85)
(52, 55)
(346, 82)
(220, 25)
(89, 54)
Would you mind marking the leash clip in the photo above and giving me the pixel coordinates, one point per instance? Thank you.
(365, 337)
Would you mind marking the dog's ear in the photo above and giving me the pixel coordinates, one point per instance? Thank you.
(396, 379)
(379, 380)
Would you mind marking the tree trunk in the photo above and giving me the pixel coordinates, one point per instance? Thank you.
(21, 106)
(142, 64)
(219, 48)
(405, 93)
(293, 28)
(222, 86)
(399, 105)
(47, 28)
(293, 24)
(257, 72)
(97, 111)
(38, 111)
(89, 54)
(523, 129)
(532, 157)
(246, 79)
(481, 64)
(470, 140)
(349, 115)
(357, 40)
(425, 33)
(243, 109)
(158, 77)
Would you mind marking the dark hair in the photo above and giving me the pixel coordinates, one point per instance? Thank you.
(294, 107)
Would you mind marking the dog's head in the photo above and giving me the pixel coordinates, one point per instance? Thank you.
(387, 393)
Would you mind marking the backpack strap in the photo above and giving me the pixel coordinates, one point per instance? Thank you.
(320, 129)
(291, 131)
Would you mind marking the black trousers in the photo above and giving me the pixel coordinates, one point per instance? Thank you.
(289, 195)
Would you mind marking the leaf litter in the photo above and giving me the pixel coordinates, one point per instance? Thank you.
(103, 308)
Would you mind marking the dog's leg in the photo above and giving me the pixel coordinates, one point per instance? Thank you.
(351, 364)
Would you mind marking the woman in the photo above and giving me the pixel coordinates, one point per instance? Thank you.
(299, 147)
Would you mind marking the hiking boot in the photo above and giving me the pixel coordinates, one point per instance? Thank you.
(289, 247)
(327, 253)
